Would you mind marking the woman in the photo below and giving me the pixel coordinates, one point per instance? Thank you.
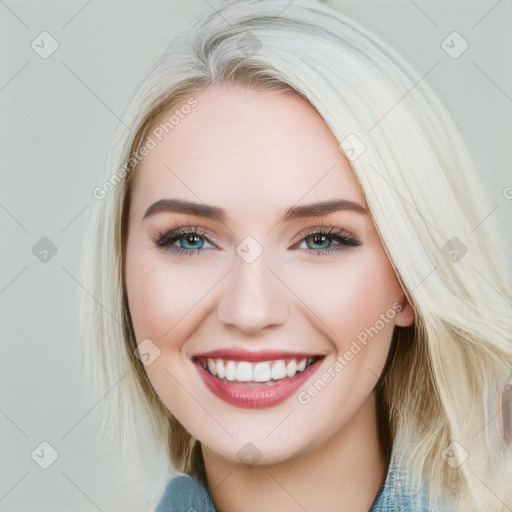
(284, 277)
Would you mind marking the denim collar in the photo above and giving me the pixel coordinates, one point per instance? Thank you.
(186, 494)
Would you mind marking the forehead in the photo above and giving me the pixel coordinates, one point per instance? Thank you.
(245, 150)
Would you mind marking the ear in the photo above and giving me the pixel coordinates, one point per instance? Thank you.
(405, 316)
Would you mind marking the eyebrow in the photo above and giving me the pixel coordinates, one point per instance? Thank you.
(214, 212)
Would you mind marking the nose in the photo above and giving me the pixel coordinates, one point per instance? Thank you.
(253, 298)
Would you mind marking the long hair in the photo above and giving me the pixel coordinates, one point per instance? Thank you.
(439, 391)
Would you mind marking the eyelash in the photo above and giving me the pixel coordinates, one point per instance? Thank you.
(165, 239)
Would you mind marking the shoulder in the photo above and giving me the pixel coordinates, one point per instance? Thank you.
(185, 494)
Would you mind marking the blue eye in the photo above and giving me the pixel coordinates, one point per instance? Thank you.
(325, 238)
(191, 241)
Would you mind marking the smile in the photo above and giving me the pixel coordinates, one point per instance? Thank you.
(264, 371)
(255, 384)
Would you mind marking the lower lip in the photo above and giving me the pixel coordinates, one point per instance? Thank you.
(255, 397)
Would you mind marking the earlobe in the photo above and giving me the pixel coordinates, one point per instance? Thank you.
(404, 317)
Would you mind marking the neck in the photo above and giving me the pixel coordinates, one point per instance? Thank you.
(343, 474)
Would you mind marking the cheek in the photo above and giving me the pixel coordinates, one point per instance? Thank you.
(349, 297)
(150, 297)
(371, 290)
(166, 298)
(161, 299)
(158, 297)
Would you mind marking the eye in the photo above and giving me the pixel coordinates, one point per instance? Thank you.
(319, 240)
(190, 240)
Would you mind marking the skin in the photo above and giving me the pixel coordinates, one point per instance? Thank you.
(255, 154)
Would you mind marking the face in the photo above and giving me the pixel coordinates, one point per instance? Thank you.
(292, 307)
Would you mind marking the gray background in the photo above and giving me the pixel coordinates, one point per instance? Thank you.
(58, 116)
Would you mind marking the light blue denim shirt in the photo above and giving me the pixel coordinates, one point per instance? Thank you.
(185, 494)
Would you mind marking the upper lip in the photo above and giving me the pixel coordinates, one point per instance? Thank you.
(240, 354)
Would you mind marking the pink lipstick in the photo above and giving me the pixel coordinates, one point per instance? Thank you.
(255, 380)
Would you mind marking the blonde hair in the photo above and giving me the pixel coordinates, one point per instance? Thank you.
(440, 390)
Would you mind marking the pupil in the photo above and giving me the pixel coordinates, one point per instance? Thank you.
(319, 239)
(191, 239)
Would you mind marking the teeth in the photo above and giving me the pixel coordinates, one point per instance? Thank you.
(279, 371)
(221, 371)
(261, 372)
(231, 370)
(264, 371)
(291, 369)
(244, 372)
